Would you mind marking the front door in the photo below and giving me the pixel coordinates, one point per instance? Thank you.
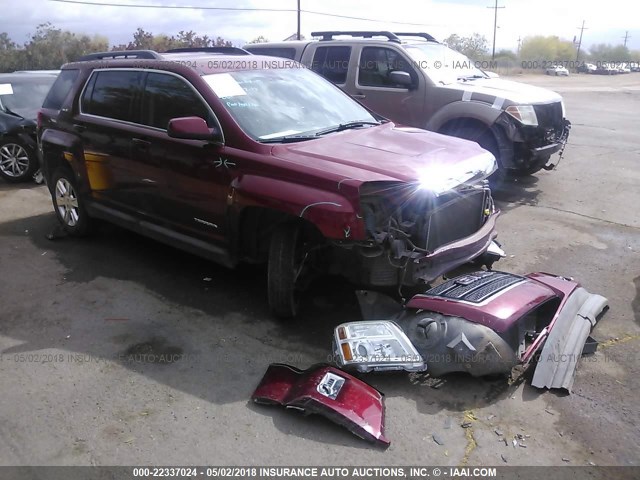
(372, 86)
(198, 172)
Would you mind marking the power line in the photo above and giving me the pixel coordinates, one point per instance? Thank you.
(367, 19)
(178, 7)
(231, 9)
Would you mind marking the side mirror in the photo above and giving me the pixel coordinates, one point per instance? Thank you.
(399, 77)
(192, 128)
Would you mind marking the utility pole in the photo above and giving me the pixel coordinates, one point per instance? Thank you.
(518, 52)
(298, 35)
(495, 26)
(626, 36)
(582, 28)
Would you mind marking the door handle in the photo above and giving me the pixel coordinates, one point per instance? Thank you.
(79, 128)
(359, 95)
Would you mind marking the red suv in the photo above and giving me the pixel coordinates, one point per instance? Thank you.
(239, 157)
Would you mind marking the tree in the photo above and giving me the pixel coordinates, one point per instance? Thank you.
(474, 47)
(6, 43)
(161, 42)
(260, 39)
(604, 52)
(547, 49)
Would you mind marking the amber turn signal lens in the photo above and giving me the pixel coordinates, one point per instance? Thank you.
(346, 352)
(341, 333)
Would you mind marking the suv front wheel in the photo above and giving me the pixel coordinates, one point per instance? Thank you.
(68, 205)
(286, 261)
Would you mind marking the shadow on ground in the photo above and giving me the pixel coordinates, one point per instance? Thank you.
(223, 351)
(512, 192)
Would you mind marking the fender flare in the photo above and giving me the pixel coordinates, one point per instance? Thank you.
(476, 110)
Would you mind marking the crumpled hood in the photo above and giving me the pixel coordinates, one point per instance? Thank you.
(516, 92)
(389, 152)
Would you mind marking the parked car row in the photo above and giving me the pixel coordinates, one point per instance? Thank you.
(605, 68)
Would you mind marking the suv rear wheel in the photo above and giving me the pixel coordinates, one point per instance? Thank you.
(68, 205)
(286, 261)
(16, 165)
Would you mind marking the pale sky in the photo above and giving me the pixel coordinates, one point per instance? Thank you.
(606, 22)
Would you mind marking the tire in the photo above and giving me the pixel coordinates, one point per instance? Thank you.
(68, 204)
(285, 259)
(484, 137)
(16, 163)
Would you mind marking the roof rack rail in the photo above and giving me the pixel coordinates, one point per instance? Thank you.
(228, 50)
(392, 37)
(424, 35)
(142, 54)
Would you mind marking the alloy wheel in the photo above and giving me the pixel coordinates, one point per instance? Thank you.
(67, 202)
(14, 160)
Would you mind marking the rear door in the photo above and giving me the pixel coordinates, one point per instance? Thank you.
(113, 141)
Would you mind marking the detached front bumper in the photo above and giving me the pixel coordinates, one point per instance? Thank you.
(481, 323)
(447, 257)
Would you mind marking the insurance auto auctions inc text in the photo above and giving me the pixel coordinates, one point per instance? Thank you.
(375, 472)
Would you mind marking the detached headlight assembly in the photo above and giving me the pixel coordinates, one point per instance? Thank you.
(375, 346)
(525, 114)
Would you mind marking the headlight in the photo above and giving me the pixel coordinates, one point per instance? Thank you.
(564, 109)
(375, 345)
(443, 178)
(525, 114)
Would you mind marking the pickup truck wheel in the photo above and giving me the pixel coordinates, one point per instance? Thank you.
(284, 268)
(484, 137)
(16, 164)
(68, 205)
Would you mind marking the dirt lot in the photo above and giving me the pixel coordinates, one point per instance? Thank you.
(77, 316)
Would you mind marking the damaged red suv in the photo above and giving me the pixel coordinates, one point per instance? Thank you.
(238, 157)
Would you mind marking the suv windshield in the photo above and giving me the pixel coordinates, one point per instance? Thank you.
(27, 94)
(442, 64)
(295, 103)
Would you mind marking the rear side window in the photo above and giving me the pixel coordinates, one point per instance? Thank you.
(113, 94)
(283, 52)
(332, 63)
(166, 97)
(60, 89)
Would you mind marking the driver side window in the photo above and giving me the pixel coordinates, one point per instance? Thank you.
(376, 63)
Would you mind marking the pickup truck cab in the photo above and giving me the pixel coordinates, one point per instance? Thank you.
(412, 79)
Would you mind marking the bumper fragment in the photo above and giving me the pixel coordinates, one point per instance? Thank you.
(563, 347)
